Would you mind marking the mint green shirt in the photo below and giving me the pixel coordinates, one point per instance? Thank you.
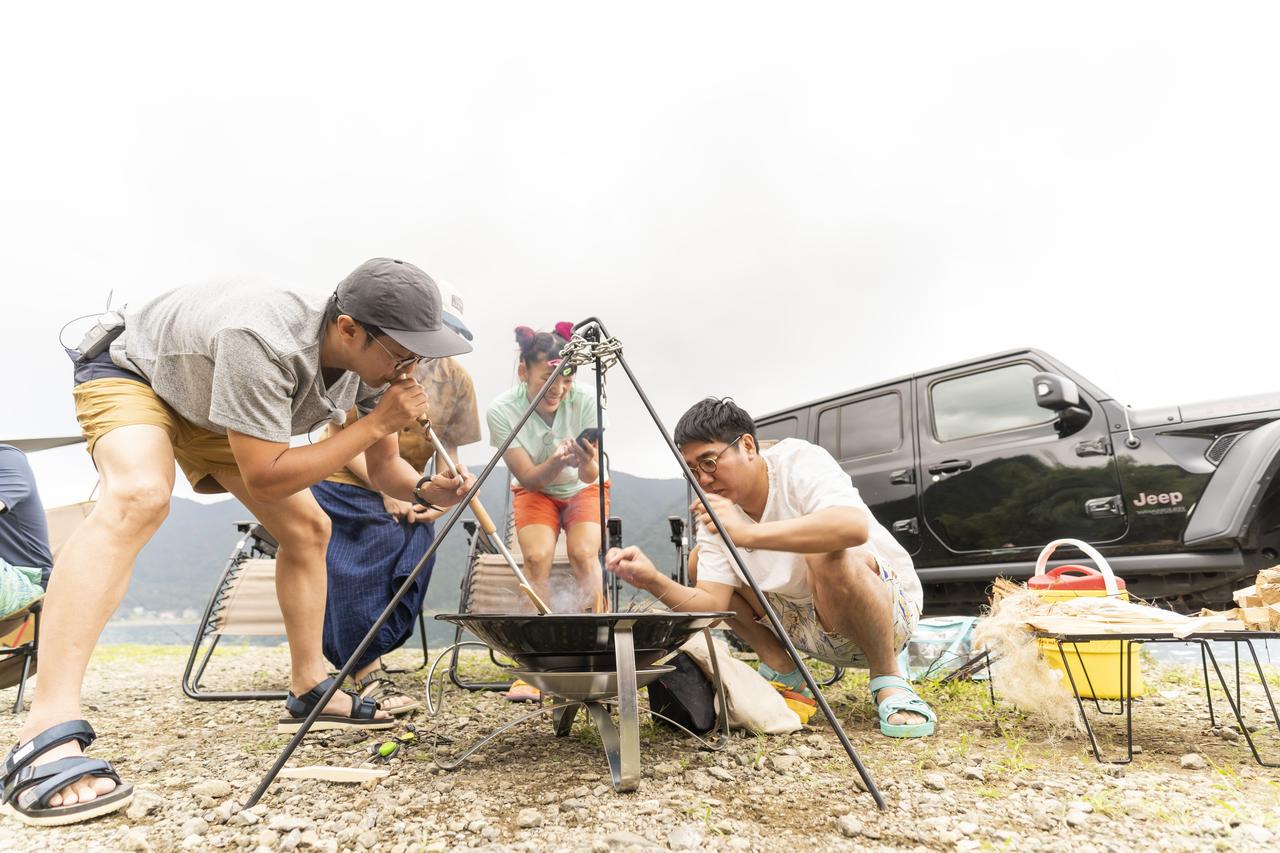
(576, 412)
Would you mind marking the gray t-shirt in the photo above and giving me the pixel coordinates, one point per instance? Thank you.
(241, 355)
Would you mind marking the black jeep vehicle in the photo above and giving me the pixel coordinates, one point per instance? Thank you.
(975, 466)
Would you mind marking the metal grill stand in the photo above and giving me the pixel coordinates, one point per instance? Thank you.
(605, 351)
(597, 693)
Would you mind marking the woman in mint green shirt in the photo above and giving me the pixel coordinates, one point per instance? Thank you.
(556, 478)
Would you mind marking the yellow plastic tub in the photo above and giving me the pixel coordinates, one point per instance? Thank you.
(1101, 669)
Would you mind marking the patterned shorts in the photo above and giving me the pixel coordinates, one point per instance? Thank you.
(800, 621)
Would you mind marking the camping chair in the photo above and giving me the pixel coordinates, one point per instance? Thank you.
(244, 604)
(489, 586)
(20, 630)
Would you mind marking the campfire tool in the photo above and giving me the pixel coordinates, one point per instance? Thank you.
(590, 343)
(595, 662)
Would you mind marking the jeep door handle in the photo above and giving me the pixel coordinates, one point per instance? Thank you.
(902, 477)
(906, 526)
(951, 466)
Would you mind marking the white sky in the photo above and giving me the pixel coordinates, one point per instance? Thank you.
(771, 201)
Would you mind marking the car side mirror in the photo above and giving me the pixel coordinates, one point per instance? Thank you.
(1059, 394)
(1055, 392)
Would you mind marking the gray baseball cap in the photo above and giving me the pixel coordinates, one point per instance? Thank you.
(402, 301)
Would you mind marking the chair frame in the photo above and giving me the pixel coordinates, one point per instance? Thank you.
(27, 651)
(254, 542)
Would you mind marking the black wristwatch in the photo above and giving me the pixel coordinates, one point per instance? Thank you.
(417, 495)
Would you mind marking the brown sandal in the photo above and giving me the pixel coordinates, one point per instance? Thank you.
(379, 687)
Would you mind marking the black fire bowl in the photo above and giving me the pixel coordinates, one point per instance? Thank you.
(581, 641)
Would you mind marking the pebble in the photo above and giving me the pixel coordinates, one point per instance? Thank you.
(685, 837)
(1229, 734)
(720, 773)
(936, 781)
(288, 823)
(625, 840)
(367, 839)
(850, 826)
(784, 763)
(195, 826)
(529, 818)
(216, 788)
(1080, 806)
(135, 839)
(144, 803)
(666, 769)
(1076, 818)
(1193, 761)
(975, 773)
(967, 827)
(246, 817)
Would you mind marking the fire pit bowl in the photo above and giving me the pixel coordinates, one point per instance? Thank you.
(581, 641)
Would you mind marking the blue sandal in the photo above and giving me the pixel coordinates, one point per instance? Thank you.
(908, 701)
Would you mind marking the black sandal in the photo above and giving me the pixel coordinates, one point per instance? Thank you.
(361, 717)
(379, 686)
(28, 788)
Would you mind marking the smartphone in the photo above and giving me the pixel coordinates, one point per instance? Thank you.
(590, 435)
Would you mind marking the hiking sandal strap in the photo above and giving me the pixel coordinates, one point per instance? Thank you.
(22, 754)
(378, 685)
(57, 773)
(908, 701)
(301, 706)
(79, 768)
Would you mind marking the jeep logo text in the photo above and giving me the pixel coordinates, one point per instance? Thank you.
(1169, 498)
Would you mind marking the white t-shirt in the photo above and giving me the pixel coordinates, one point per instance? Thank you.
(803, 479)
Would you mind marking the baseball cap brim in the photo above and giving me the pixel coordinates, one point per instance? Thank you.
(454, 322)
(430, 344)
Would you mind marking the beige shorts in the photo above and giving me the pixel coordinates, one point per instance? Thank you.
(800, 621)
(105, 404)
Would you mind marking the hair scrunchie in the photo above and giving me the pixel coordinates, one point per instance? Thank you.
(564, 329)
(524, 335)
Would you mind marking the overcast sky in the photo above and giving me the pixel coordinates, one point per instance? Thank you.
(769, 201)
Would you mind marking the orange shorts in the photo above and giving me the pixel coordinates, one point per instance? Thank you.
(538, 508)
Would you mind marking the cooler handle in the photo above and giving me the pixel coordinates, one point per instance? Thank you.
(1109, 577)
(1073, 571)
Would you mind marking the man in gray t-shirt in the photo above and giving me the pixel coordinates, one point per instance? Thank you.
(220, 378)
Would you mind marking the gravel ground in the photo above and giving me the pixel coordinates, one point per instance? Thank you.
(990, 779)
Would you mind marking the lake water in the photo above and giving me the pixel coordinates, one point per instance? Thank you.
(440, 635)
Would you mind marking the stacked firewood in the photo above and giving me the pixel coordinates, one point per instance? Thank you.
(1258, 605)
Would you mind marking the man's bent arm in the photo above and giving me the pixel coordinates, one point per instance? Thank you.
(832, 529)
(274, 470)
(703, 598)
(388, 472)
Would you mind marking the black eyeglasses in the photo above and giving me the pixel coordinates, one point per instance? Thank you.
(708, 464)
(403, 365)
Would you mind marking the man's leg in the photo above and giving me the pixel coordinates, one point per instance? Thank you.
(89, 579)
(745, 624)
(301, 528)
(852, 600)
(582, 541)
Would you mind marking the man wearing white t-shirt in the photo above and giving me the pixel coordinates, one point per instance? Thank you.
(845, 590)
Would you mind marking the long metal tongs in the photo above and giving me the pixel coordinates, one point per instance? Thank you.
(486, 523)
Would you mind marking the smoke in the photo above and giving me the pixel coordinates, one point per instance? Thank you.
(569, 594)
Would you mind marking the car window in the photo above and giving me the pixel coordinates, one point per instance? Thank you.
(863, 427)
(778, 430)
(982, 403)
